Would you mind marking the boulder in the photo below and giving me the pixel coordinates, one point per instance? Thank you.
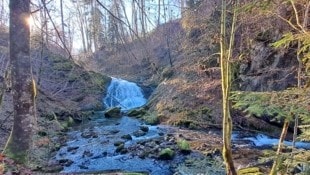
(113, 112)
(138, 112)
(184, 146)
(166, 154)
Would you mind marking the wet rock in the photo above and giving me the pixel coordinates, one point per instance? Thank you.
(104, 154)
(118, 143)
(139, 133)
(89, 134)
(83, 166)
(166, 154)
(65, 162)
(161, 134)
(87, 154)
(144, 128)
(113, 112)
(114, 131)
(72, 149)
(136, 112)
(120, 148)
(126, 137)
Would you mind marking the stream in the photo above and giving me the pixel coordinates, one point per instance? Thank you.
(126, 144)
(118, 144)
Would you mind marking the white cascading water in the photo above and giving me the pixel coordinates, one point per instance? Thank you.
(124, 94)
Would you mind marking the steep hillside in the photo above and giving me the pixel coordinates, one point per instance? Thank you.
(65, 92)
(180, 59)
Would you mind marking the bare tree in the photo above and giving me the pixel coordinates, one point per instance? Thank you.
(23, 86)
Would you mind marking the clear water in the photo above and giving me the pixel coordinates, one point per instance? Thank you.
(98, 154)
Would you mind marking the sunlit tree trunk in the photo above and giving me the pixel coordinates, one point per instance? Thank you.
(226, 53)
(20, 140)
(277, 161)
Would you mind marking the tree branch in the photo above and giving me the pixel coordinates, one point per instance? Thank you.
(58, 33)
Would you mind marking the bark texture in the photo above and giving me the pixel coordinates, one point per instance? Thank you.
(20, 140)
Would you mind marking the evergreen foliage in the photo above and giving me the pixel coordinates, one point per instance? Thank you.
(283, 105)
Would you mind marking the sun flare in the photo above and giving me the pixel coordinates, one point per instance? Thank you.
(30, 21)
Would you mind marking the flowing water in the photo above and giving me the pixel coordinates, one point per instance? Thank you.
(124, 94)
(91, 148)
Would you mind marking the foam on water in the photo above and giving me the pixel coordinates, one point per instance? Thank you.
(124, 94)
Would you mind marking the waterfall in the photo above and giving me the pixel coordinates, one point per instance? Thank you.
(124, 94)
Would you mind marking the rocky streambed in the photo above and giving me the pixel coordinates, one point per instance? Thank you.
(123, 144)
(118, 143)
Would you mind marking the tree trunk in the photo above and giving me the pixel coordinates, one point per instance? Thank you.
(62, 24)
(158, 13)
(226, 53)
(276, 162)
(20, 140)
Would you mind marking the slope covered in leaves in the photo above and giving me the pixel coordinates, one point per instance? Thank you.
(180, 60)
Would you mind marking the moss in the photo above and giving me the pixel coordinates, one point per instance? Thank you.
(70, 122)
(63, 66)
(19, 157)
(151, 119)
(113, 112)
(249, 171)
(184, 146)
(139, 112)
(166, 154)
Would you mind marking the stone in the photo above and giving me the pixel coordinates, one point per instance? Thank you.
(166, 154)
(71, 149)
(89, 134)
(113, 112)
(87, 153)
(120, 148)
(139, 133)
(138, 112)
(65, 162)
(151, 119)
(118, 143)
(184, 147)
(144, 128)
(83, 166)
(126, 137)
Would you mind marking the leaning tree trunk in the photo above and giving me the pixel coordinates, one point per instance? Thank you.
(20, 140)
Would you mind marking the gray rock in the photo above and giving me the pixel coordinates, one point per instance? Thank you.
(113, 112)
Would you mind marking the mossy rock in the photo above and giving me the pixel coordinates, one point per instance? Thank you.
(249, 171)
(118, 143)
(184, 146)
(151, 119)
(166, 154)
(126, 137)
(138, 112)
(113, 112)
